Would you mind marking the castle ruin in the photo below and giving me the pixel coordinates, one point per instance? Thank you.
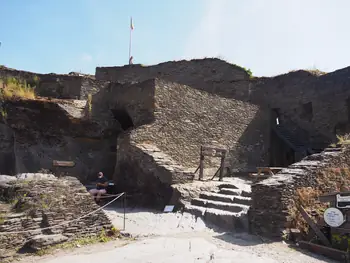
(143, 126)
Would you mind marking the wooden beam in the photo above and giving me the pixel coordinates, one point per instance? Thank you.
(313, 225)
(213, 151)
(332, 253)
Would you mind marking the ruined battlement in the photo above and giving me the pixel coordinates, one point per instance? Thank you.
(211, 75)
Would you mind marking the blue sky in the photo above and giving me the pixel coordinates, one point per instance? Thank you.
(268, 36)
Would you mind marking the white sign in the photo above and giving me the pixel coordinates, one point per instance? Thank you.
(343, 201)
(169, 208)
(333, 217)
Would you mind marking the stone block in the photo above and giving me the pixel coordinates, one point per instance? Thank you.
(42, 241)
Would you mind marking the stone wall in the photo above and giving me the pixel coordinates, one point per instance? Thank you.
(318, 104)
(327, 95)
(61, 86)
(272, 197)
(35, 201)
(36, 132)
(186, 118)
(178, 119)
(144, 170)
(211, 75)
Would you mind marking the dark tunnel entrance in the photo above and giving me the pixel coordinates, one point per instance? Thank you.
(123, 118)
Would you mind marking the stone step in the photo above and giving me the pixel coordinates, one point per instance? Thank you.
(229, 191)
(224, 219)
(228, 185)
(231, 207)
(242, 200)
(217, 197)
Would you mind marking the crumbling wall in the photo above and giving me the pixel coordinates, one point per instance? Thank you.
(317, 103)
(148, 172)
(211, 75)
(37, 201)
(186, 118)
(60, 86)
(273, 198)
(36, 132)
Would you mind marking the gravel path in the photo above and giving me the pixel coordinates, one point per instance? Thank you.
(176, 237)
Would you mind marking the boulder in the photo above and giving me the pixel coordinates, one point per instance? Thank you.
(4, 183)
(35, 176)
(41, 241)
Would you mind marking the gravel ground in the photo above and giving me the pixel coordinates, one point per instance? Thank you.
(176, 237)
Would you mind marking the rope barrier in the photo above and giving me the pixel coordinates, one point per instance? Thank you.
(64, 223)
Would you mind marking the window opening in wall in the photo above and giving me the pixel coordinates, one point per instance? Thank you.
(307, 112)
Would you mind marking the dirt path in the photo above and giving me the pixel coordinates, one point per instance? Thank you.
(178, 238)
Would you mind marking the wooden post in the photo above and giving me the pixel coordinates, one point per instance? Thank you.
(314, 227)
(222, 167)
(201, 165)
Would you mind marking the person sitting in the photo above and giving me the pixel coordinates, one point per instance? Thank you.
(101, 187)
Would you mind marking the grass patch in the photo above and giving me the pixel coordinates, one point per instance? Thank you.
(341, 141)
(12, 88)
(2, 218)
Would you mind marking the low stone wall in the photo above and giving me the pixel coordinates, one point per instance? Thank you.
(31, 202)
(272, 198)
(146, 171)
(60, 86)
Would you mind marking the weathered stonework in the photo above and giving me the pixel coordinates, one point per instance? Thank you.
(36, 132)
(211, 75)
(37, 201)
(146, 171)
(179, 119)
(60, 86)
(291, 93)
(175, 107)
(272, 198)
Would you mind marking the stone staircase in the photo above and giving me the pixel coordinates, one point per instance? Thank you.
(226, 207)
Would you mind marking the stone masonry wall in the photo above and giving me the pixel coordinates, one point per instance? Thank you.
(32, 202)
(61, 86)
(211, 75)
(327, 114)
(271, 198)
(186, 118)
(327, 94)
(145, 170)
(36, 132)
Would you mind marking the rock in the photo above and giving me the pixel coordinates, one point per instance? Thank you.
(6, 254)
(5, 179)
(35, 176)
(41, 241)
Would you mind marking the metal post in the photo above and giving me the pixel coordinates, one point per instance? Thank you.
(124, 203)
(222, 166)
(201, 165)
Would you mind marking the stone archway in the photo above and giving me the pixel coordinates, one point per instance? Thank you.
(124, 119)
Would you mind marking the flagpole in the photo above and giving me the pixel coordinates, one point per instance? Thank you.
(130, 39)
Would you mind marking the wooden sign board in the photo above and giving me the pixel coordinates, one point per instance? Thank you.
(63, 163)
(213, 151)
